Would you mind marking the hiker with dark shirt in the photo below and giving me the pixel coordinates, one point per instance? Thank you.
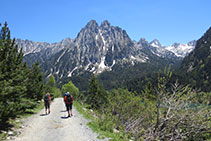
(68, 99)
(47, 101)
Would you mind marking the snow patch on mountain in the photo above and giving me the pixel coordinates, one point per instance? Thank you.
(181, 50)
(57, 71)
(155, 43)
(101, 66)
(60, 57)
(70, 73)
(114, 62)
(87, 66)
(92, 70)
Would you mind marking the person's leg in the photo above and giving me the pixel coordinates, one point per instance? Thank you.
(71, 113)
(49, 108)
(68, 109)
(46, 108)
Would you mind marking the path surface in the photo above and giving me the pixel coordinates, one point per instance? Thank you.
(56, 126)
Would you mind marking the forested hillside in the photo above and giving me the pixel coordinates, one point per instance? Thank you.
(196, 67)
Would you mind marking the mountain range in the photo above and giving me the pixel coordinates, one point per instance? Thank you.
(98, 48)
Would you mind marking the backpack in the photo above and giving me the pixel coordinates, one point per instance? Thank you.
(69, 98)
(46, 99)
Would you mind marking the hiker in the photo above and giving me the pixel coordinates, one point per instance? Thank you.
(47, 101)
(68, 99)
(65, 94)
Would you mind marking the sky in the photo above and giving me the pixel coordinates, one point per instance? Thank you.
(51, 21)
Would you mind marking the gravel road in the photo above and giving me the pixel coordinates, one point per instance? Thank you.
(56, 126)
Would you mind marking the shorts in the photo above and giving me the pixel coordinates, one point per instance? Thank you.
(69, 106)
(47, 105)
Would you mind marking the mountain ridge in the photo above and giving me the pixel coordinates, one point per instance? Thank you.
(196, 66)
(95, 49)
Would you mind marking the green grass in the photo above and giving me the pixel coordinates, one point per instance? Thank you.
(93, 124)
(30, 112)
(80, 108)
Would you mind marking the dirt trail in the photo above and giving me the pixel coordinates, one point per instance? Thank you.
(56, 126)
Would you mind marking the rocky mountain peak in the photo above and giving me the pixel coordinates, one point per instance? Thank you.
(155, 43)
(192, 43)
(105, 24)
(91, 24)
(143, 43)
(142, 40)
(175, 44)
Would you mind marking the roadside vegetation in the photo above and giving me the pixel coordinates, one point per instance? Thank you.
(158, 113)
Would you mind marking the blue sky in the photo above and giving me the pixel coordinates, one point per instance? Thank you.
(51, 21)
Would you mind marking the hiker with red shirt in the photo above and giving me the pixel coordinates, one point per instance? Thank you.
(68, 99)
(47, 101)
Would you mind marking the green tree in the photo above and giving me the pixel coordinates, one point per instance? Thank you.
(50, 84)
(12, 76)
(161, 89)
(70, 87)
(16, 79)
(148, 92)
(50, 87)
(35, 86)
(96, 94)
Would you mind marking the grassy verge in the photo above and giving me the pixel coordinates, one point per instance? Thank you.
(15, 124)
(30, 112)
(94, 125)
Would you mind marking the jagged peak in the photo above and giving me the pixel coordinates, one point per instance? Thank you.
(175, 44)
(105, 24)
(155, 43)
(92, 23)
(142, 40)
(67, 40)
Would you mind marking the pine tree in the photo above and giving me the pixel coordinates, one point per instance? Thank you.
(96, 94)
(12, 75)
(16, 95)
(35, 83)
